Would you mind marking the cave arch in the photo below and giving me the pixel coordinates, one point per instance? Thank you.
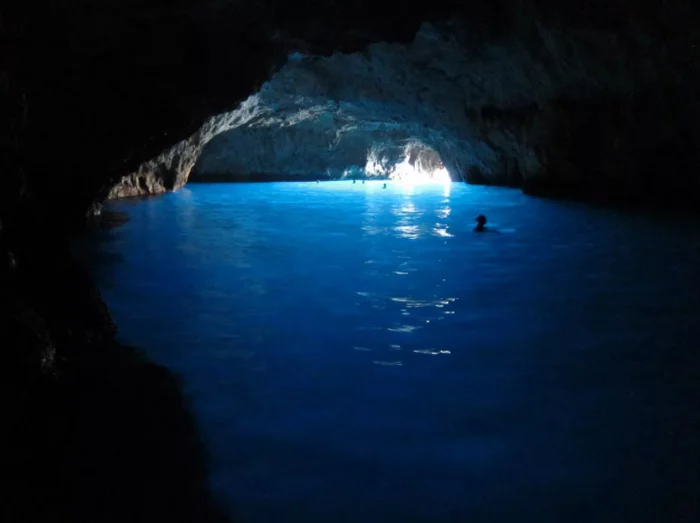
(511, 111)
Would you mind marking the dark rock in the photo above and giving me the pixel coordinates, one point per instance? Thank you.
(92, 431)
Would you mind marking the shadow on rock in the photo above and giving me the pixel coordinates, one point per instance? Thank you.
(92, 431)
(114, 442)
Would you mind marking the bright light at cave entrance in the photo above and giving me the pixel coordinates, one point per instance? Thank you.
(407, 174)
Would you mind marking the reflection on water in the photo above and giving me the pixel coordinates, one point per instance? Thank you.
(406, 218)
(404, 328)
(442, 232)
(358, 354)
(409, 219)
(432, 352)
(423, 303)
(388, 363)
(444, 212)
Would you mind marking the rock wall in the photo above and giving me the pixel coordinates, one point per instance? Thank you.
(548, 108)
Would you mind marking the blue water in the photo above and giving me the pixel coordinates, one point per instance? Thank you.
(355, 354)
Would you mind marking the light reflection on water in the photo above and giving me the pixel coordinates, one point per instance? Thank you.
(359, 354)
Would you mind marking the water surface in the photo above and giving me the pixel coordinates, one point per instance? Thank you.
(355, 354)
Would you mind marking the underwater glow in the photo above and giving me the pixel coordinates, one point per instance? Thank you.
(419, 346)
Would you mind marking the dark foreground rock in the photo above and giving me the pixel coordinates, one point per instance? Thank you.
(92, 431)
(112, 440)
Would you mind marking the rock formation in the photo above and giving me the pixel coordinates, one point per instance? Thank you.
(544, 108)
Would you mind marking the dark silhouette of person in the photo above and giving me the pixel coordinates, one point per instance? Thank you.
(363, 182)
(353, 180)
(480, 223)
(384, 186)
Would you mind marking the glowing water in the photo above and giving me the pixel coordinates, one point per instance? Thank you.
(358, 354)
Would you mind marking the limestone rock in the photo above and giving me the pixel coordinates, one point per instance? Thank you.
(493, 112)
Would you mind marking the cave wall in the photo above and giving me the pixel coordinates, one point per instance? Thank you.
(546, 107)
(124, 81)
(323, 142)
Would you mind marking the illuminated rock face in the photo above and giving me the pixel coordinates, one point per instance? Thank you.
(548, 110)
(325, 116)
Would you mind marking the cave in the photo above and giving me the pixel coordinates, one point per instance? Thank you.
(338, 340)
(559, 116)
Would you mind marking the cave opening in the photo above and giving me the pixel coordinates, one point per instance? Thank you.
(374, 114)
(417, 164)
(349, 155)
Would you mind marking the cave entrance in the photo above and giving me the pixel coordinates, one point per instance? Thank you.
(309, 151)
(416, 163)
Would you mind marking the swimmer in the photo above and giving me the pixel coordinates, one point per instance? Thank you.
(480, 223)
(353, 180)
(384, 186)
